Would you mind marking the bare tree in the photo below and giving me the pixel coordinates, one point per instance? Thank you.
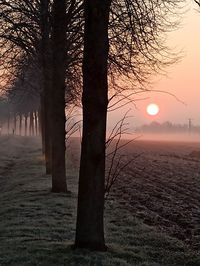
(27, 32)
(90, 229)
(58, 95)
(139, 26)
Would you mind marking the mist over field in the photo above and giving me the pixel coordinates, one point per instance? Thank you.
(175, 137)
(151, 213)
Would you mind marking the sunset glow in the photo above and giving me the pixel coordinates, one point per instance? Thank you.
(152, 109)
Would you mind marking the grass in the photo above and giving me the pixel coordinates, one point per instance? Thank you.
(37, 227)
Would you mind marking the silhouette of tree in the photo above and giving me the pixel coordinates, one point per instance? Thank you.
(27, 33)
(89, 231)
(58, 95)
(137, 24)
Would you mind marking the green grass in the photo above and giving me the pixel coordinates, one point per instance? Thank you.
(37, 227)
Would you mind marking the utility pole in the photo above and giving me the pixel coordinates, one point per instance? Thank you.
(189, 125)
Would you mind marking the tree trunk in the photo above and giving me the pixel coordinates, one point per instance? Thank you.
(25, 123)
(20, 124)
(58, 95)
(47, 82)
(15, 124)
(90, 225)
(31, 125)
(41, 122)
(47, 128)
(29, 115)
(36, 122)
(8, 124)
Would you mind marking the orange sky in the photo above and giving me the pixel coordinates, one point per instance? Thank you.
(183, 79)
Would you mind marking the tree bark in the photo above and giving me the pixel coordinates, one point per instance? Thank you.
(47, 126)
(58, 95)
(47, 82)
(90, 224)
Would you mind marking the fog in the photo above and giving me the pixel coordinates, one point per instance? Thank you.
(177, 137)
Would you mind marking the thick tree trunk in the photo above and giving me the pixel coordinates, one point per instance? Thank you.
(58, 95)
(90, 225)
(47, 81)
(47, 126)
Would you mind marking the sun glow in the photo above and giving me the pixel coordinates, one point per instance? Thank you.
(152, 109)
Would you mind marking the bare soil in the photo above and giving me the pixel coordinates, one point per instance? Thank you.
(162, 187)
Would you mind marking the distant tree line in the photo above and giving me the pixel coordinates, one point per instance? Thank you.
(168, 127)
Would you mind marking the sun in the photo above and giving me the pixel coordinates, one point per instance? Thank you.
(152, 109)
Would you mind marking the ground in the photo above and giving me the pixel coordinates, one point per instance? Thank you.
(162, 187)
(152, 215)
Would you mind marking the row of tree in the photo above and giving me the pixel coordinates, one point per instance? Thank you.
(60, 49)
(20, 112)
(168, 127)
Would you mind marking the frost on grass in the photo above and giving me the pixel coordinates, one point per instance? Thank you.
(37, 227)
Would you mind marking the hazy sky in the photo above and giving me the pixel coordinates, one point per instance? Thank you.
(183, 78)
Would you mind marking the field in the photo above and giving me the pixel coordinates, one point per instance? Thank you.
(162, 187)
(152, 215)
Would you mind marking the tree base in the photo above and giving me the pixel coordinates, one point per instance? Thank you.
(90, 246)
(48, 172)
(60, 190)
